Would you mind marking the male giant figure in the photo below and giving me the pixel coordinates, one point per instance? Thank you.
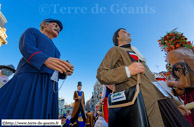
(120, 67)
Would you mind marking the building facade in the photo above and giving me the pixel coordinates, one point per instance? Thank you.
(94, 101)
(3, 35)
(61, 105)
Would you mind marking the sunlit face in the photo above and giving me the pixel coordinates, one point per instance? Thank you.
(52, 28)
(124, 36)
(79, 87)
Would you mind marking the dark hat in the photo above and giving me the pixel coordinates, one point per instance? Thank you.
(116, 34)
(9, 67)
(79, 84)
(63, 116)
(56, 21)
(80, 115)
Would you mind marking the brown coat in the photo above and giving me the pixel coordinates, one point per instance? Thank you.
(90, 119)
(112, 71)
(77, 103)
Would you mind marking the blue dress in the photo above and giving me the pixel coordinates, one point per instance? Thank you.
(29, 94)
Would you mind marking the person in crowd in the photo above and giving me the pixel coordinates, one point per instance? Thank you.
(68, 115)
(106, 91)
(81, 123)
(90, 119)
(5, 72)
(101, 121)
(64, 122)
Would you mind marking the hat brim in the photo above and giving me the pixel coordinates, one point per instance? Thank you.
(56, 21)
(63, 117)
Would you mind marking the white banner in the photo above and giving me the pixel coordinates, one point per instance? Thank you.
(30, 122)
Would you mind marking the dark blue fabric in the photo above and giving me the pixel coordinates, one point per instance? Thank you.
(108, 91)
(33, 41)
(81, 123)
(79, 93)
(68, 121)
(29, 94)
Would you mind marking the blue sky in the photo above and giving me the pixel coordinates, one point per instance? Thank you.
(88, 29)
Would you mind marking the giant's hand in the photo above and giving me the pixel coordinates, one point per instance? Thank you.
(59, 65)
(136, 68)
(183, 110)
